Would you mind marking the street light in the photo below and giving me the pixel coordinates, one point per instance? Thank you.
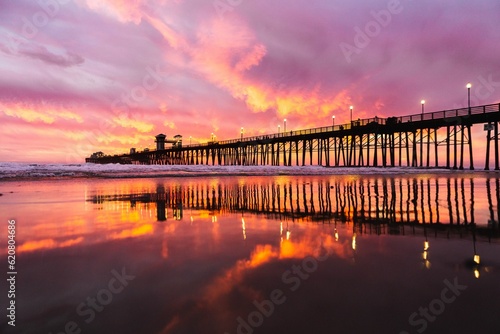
(469, 86)
(422, 102)
(284, 129)
(350, 108)
(279, 127)
(333, 121)
(190, 140)
(241, 132)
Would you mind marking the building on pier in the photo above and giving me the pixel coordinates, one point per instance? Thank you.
(160, 142)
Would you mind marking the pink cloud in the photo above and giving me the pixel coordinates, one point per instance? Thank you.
(41, 53)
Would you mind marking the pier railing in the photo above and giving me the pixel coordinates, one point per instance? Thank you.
(462, 112)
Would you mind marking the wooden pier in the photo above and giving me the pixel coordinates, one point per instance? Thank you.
(418, 140)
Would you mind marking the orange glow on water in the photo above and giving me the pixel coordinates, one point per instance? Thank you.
(47, 244)
(262, 254)
(135, 232)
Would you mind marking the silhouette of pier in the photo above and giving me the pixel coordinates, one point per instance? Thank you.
(417, 140)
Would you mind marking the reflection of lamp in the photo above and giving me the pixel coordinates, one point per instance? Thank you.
(178, 209)
(243, 228)
(476, 273)
(476, 259)
(336, 235)
(287, 233)
(425, 254)
(354, 241)
(281, 232)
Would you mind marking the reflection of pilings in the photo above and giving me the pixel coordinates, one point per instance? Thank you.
(392, 201)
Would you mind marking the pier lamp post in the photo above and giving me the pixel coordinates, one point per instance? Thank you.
(469, 86)
(333, 121)
(190, 140)
(212, 137)
(279, 127)
(241, 133)
(423, 103)
(350, 108)
(284, 128)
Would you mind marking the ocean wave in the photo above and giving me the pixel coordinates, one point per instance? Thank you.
(15, 171)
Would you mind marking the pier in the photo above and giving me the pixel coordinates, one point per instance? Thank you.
(433, 139)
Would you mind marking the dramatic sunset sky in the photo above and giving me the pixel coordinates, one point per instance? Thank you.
(105, 75)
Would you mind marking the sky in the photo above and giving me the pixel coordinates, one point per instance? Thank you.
(80, 76)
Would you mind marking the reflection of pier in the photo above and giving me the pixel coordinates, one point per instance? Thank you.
(375, 205)
(413, 140)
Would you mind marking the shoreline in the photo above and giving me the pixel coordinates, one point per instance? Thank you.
(41, 172)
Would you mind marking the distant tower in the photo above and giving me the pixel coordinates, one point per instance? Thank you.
(160, 142)
(178, 141)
